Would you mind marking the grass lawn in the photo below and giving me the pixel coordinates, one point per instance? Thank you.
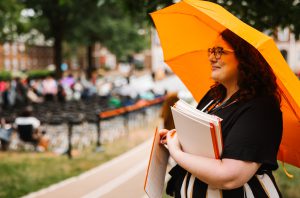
(25, 172)
(290, 188)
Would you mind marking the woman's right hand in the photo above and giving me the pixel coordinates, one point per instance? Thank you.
(163, 136)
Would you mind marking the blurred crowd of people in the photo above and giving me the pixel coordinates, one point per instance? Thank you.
(20, 92)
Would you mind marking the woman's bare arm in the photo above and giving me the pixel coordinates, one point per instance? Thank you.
(223, 174)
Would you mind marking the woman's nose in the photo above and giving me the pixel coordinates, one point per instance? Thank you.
(212, 58)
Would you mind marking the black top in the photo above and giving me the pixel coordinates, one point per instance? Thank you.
(251, 131)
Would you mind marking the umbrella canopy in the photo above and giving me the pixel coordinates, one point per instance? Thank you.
(188, 28)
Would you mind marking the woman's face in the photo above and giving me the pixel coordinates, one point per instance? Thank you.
(224, 63)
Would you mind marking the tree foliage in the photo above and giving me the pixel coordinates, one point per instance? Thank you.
(54, 18)
(11, 24)
(264, 14)
(111, 26)
(261, 14)
(85, 22)
(139, 10)
(295, 12)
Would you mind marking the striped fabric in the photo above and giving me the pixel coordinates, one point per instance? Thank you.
(268, 185)
(259, 186)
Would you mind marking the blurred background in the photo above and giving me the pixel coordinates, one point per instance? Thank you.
(83, 81)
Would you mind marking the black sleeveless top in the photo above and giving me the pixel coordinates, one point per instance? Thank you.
(251, 131)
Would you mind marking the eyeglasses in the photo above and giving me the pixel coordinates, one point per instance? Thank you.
(218, 51)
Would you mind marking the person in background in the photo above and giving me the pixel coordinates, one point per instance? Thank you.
(49, 88)
(5, 134)
(61, 93)
(32, 96)
(26, 118)
(21, 91)
(166, 114)
(8, 96)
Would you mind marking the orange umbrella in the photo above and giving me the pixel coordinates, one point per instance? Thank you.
(188, 28)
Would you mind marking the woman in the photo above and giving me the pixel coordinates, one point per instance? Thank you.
(245, 95)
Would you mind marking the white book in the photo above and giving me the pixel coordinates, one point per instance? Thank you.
(156, 170)
(199, 133)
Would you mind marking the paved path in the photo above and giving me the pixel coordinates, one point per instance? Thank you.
(123, 175)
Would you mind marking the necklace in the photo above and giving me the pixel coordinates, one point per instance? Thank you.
(219, 105)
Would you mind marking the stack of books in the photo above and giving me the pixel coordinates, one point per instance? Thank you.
(199, 133)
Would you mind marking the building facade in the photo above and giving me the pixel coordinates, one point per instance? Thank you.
(18, 56)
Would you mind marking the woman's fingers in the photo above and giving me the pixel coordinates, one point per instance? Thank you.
(163, 141)
(173, 142)
(172, 133)
(163, 132)
(163, 135)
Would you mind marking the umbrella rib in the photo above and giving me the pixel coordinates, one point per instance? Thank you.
(190, 3)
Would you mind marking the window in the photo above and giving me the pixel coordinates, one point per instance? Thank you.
(6, 48)
(14, 49)
(15, 64)
(7, 64)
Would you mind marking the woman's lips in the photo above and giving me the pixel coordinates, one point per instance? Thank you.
(215, 68)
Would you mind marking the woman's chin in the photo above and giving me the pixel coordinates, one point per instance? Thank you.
(215, 77)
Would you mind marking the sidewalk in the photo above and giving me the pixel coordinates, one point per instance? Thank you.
(123, 175)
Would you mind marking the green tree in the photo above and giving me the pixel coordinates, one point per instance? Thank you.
(139, 10)
(295, 19)
(83, 22)
(123, 38)
(57, 18)
(261, 14)
(110, 25)
(11, 24)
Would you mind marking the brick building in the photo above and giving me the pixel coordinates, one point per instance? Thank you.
(18, 56)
